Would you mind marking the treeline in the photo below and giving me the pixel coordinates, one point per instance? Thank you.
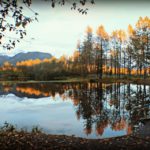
(120, 53)
(117, 54)
(35, 69)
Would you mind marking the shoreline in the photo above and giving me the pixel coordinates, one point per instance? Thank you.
(86, 79)
(25, 140)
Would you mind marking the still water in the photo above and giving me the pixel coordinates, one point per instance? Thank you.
(90, 110)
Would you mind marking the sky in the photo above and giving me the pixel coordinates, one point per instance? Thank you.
(59, 29)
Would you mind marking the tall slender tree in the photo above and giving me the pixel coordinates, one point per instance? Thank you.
(102, 45)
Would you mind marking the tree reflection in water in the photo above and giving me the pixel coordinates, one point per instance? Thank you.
(118, 106)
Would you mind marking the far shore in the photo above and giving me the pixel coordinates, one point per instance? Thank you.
(107, 80)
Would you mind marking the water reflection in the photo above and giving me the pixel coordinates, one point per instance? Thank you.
(100, 107)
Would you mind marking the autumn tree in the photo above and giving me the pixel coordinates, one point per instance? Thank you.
(117, 39)
(131, 33)
(101, 47)
(86, 52)
(140, 44)
(7, 66)
(13, 21)
(75, 63)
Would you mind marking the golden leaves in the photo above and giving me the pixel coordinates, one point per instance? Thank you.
(89, 30)
(143, 23)
(130, 30)
(28, 63)
(102, 33)
(120, 35)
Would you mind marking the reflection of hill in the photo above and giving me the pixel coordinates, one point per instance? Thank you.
(38, 90)
(13, 89)
(117, 106)
(31, 91)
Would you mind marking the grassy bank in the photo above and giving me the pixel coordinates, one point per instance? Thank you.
(134, 80)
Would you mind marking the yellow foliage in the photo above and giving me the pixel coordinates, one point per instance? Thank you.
(119, 34)
(143, 23)
(31, 62)
(89, 30)
(130, 30)
(102, 33)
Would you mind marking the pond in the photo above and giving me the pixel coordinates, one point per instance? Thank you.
(89, 110)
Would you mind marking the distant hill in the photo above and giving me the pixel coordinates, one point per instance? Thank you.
(3, 59)
(24, 56)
